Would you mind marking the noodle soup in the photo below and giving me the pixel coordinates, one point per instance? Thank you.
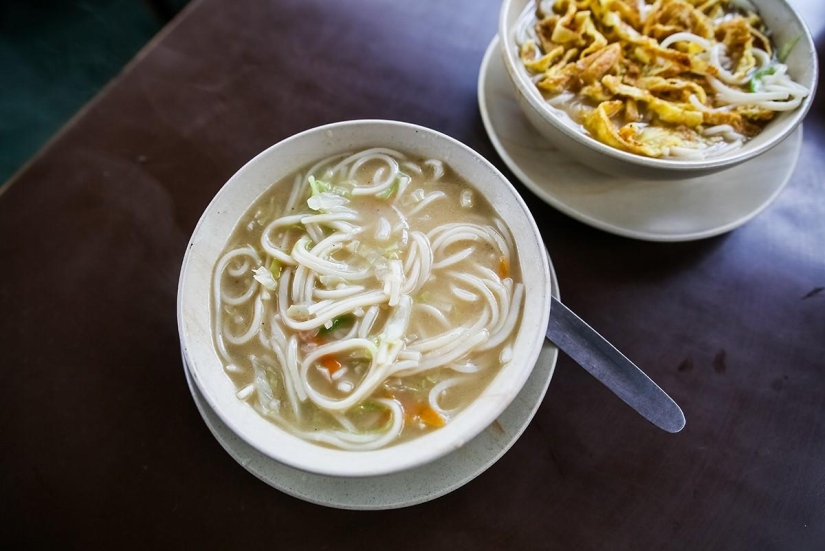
(366, 300)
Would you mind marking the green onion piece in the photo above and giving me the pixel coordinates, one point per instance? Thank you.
(344, 320)
(785, 50)
(756, 80)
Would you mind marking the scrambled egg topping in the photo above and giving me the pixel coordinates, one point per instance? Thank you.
(647, 98)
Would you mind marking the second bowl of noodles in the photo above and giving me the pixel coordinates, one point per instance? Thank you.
(659, 89)
(363, 298)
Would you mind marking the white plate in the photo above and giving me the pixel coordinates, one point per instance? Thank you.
(407, 487)
(678, 210)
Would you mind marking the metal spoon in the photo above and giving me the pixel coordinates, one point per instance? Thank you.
(602, 360)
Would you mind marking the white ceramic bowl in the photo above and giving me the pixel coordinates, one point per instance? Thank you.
(783, 21)
(238, 194)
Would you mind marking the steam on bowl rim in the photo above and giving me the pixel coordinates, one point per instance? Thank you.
(236, 197)
(777, 132)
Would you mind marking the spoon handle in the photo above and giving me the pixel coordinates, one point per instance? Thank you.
(602, 360)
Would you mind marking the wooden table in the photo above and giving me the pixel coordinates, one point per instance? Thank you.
(102, 444)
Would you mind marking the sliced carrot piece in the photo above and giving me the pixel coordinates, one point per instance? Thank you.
(331, 364)
(503, 268)
(432, 418)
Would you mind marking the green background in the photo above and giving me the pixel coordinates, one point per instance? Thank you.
(55, 55)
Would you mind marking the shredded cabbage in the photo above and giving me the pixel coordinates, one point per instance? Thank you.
(387, 193)
(326, 201)
(265, 278)
(397, 323)
(318, 186)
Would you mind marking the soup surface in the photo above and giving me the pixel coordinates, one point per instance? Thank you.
(663, 78)
(366, 299)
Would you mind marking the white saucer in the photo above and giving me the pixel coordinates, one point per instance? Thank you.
(400, 489)
(679, 210)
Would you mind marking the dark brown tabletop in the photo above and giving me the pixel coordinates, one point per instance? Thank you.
(102, 445)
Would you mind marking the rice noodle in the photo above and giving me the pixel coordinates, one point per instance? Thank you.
(434, 196)
(685, 37)
(251, 331)
(441, 388)
(355, 441)
(437, 168)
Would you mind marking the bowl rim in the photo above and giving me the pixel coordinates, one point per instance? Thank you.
(406, 454)
(531, 94)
